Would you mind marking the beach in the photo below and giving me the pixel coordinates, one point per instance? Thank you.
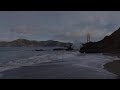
(113, 67)
(78, 67)
(24, 63)
(48, 71)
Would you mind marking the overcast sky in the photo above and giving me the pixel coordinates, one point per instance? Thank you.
(57, 25)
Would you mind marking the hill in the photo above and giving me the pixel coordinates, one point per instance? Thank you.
(109, 44)
(33, 43)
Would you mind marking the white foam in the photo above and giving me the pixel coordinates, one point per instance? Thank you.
(92, 61)
(35, 60)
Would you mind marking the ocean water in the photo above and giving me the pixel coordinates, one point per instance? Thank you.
(15, 57)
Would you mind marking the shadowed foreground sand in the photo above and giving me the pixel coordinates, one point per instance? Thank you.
(52, 71)
(113, 67)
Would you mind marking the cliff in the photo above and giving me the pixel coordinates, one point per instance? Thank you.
(109, 44)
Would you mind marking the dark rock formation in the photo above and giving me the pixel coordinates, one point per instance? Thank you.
(59, 49)
(39, 50)
(69, 48)
(109, 44)
(90, 47)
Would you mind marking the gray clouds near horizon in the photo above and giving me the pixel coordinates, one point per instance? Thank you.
(58, 25)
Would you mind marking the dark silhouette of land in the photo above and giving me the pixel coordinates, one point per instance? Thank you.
(113, 67)
(110, 44)
(33, 43)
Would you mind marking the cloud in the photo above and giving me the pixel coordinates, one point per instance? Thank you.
(65, 25)
(98, 24)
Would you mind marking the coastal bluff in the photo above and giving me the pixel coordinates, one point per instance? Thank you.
(109, 44)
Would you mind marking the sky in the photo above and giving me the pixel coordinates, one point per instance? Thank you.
(57, 25)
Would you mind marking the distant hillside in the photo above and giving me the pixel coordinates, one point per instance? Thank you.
(33, 43)
(110, 43)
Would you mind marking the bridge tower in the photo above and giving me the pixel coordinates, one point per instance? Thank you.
(88, 37)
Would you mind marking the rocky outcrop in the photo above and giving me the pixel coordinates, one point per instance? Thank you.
(69, 48)
(39, 50)
(33, 43)
(110, 44)
(59, 49)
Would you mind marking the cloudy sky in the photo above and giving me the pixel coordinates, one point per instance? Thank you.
(57, 25)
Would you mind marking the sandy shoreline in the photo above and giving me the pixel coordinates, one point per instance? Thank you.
(53, 70)
(47, 72)
(113, 67)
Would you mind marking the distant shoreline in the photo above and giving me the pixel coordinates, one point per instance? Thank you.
(33, 43)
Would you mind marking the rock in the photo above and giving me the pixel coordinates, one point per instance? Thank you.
(69, 48)
(39, 50)
(90, 48)
(58, 49)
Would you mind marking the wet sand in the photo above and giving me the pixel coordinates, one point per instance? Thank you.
(52, 71)
(46, 72)
(113, 67)
(65, 69)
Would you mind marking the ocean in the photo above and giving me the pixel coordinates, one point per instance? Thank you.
(90, 64)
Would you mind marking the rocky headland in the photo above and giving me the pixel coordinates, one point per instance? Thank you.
(109, 44)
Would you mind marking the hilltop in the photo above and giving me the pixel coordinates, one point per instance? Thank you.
(33, 43)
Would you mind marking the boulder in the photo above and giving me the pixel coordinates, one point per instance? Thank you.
(39, 50)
